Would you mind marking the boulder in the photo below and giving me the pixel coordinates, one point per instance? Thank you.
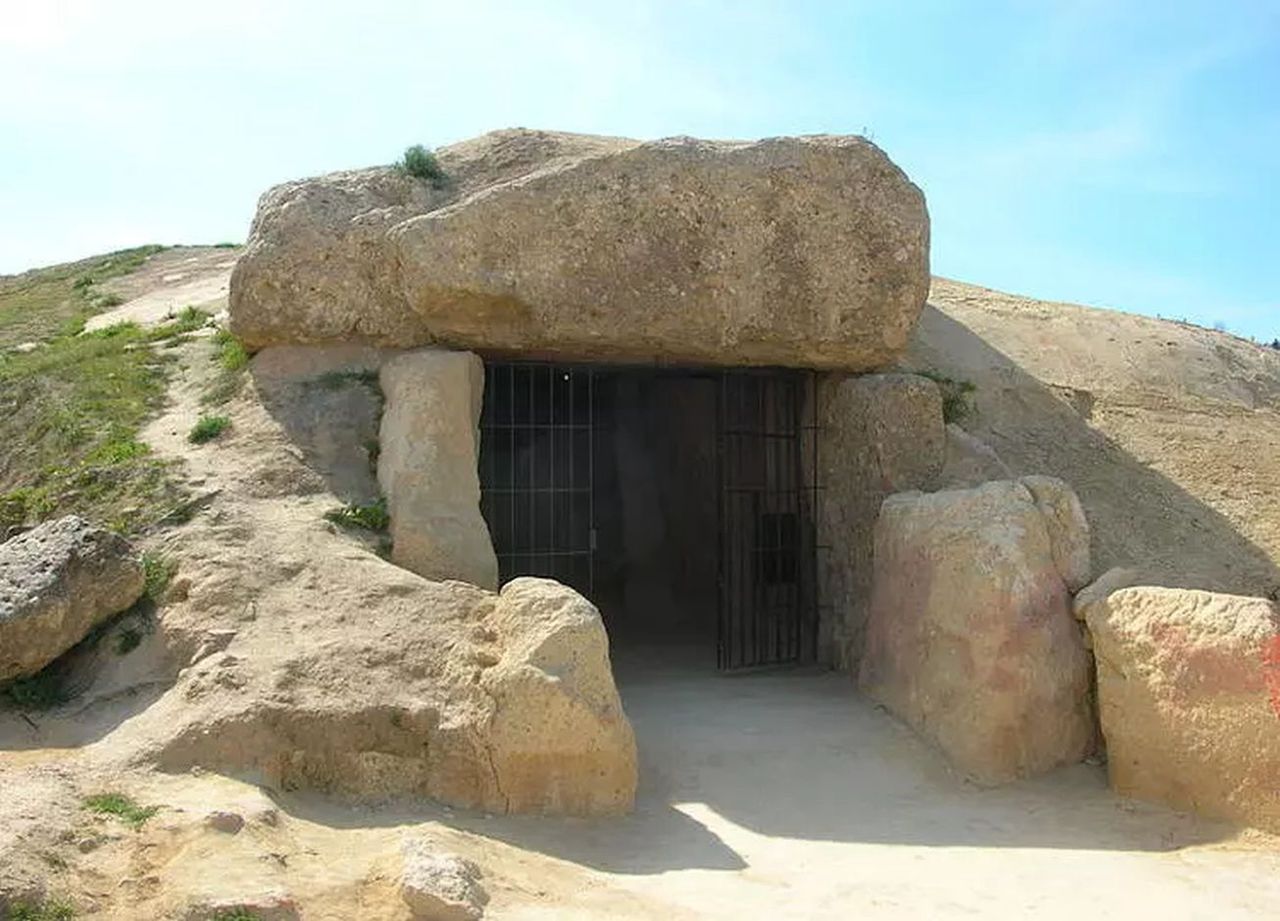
(1189, 699)
(559, 740)
(440, 887)
(58, 581)
(428, 465)
(879, 434)
(970, 637)
(801, 252)
(388, 684)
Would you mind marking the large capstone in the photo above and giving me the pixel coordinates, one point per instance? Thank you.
(802, 252)
(58, 581)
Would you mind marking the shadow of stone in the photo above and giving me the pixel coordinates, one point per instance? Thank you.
(656, 838)
(1138, 516)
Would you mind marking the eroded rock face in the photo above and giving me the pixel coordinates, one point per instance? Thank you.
(803, 252)
(499, 702)
(57, 581)
(428, 462)
(880, 434)
(1189, 699)
(970, 637)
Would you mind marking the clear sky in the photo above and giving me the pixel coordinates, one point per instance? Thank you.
(1122, 153)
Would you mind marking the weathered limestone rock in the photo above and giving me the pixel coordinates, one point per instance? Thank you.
(1189, 699)
(57, 581)
(1114, 579)
(440, 887)
(881, 434)
(560, 741)
(970, 461)
(803, 252)
(970, 637)
(408, 687)
(428, 462)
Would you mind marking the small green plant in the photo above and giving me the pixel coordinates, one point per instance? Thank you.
(420, 162)
(122, 807)
(239, 913)
(957, 396)
(372, 516)
(188, 320)
(231, 354)
(46, 910)
(208, 428)
(157, 570)
(105, 300)
(127, 640)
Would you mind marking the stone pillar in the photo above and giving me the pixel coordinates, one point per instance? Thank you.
(879, 434)
(428, 466)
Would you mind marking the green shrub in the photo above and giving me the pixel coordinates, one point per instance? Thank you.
(208, 428)
(957, 396)
(420, 162)
(47, 910)
(157, 570)
(231, 354)
(122, 807)
(371, 516)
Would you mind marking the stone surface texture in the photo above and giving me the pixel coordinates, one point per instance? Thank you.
(1189, 699)
(970, 637)
(407, 687)
(440, 887)
(802, 252)
(428, 462)
(57, 582)
(879, 434)
(970, 461)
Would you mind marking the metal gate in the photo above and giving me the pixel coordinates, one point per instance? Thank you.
(537, 478)
(768, 599)
(537, 471)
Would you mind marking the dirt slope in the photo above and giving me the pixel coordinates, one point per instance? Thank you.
(1169, 432)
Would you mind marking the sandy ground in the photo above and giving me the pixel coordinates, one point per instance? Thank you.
(185, 276)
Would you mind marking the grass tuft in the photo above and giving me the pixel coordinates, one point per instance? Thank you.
(122, 807)
(957, 396)
(372, 516)
(46, 910)
(420, 162)
(208, 428)
(239, 913)
(44, 690)
(157, 571)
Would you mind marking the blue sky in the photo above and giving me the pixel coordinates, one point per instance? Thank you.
(1123, 154)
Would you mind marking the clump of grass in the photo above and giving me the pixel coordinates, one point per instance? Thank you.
(208, 428)
(105, 300)
(127, 640)
(122, 807)
(239, 913)
(225, 244)
(420, 162)
(188, 320)
(372, 516)
(957, 396)
(46, 910)
(157, 570)
(231, 353)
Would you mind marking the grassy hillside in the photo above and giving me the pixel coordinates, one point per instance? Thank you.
(72, 404)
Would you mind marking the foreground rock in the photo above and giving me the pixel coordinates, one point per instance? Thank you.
(58, 581)
(809, 251)
(970, 636)
(504, 702)
(1189, 698)
(440, 887)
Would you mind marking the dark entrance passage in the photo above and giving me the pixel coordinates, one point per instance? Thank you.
(680, 502)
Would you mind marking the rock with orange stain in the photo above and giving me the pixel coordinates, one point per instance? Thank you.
(1189, 695)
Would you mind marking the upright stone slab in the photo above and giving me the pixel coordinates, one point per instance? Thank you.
(880, 434)
(1189, 699)
(428, 463)
(971, 638)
